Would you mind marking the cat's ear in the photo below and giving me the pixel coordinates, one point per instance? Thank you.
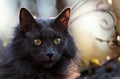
(62, 19)
(27, 22)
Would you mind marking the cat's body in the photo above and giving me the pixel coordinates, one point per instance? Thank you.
(41, 49)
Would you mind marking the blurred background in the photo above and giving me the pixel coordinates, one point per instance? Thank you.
(94, 24)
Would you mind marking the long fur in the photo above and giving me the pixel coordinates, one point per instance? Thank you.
(18, 62)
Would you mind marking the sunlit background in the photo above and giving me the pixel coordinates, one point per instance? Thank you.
(92, 23)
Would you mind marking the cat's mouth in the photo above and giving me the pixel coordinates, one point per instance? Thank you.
(48, 64)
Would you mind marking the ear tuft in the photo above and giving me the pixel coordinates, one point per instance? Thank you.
(65, 16)
(63, 19)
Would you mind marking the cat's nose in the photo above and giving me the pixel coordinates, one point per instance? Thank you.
(50, 52)
(50, 55)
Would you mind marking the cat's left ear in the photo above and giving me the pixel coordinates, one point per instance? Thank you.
(62, 20)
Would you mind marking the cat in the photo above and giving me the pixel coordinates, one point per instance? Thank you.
(40, 49)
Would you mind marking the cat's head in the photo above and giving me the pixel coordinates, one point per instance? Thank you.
(45, 42)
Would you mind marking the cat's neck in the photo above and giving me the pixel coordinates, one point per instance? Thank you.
(58, 71)
(66, 69)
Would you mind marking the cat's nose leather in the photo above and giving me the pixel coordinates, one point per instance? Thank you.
(50, 52)
(50, 55)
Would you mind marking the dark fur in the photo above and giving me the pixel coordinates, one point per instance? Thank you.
(23, 60)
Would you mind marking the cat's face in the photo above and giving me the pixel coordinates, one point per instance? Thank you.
(44, 39)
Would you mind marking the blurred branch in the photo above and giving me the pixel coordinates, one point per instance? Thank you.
(110, 69)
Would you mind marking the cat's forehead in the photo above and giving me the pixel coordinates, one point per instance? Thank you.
(46, 30)
(45, 22)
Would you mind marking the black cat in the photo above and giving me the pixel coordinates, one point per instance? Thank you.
(41, 49)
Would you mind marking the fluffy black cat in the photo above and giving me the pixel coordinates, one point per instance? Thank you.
(41, 49)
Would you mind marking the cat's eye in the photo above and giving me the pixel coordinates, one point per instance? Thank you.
(37, 42)
(57, 41)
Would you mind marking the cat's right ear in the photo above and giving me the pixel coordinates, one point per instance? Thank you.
(61, 22)
(27, 22)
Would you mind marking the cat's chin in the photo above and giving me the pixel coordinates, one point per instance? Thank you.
(48, 64)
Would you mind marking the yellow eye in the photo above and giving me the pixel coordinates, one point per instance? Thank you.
(57, 41)
(37, 42)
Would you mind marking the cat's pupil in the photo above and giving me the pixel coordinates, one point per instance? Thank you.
(37, 42)
(57, 41)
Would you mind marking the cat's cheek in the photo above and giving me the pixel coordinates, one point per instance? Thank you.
(60, 48)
